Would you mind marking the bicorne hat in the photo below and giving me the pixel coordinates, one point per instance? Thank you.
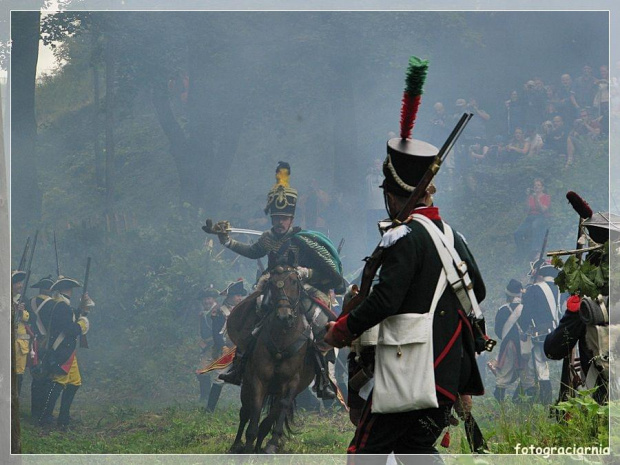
(63, 283)
(208, 292)
(548, 270)
(44, 283)
(603, 227)
(17, 276)
(235, 288)
(514, 288)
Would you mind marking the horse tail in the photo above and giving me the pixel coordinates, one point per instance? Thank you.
(289, 420)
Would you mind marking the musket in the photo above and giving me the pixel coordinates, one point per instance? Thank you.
(340, 245)
(539, 262)
(56, 252)
(22, 262)
(544, 245)
(475, 439)
(22, 297)
(83, 340)
(373, 263)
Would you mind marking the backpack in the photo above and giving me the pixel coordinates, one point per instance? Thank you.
(594, 315)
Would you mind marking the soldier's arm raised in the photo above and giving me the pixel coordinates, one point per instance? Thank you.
(253, 251)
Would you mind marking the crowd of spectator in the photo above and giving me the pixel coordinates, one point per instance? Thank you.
(554, 116)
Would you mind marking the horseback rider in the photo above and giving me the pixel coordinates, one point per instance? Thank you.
(310, 253)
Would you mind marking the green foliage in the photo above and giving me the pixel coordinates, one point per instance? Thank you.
(506, 425)
(186, 429)
(584, 278)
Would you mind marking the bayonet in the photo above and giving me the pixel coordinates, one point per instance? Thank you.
(56, 252)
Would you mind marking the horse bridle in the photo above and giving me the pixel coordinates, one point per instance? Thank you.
(281, 294)
(282, 353)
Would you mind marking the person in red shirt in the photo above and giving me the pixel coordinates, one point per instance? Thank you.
(531, 232)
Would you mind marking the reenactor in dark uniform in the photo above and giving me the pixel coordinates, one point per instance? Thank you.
(40, 384)
(513, 361)
(411, 288)
(541, 306)
(22, 332)
(425, 304)
(208, 301)
(311, 253)
(235, 293)
(66, 325)
(586, 322)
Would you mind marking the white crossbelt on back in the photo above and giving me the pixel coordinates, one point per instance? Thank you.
(552, 301)
(454, 267)
(512, 319)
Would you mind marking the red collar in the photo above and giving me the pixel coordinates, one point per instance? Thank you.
(432, 213)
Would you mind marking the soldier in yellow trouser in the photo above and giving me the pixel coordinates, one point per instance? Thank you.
(66, 325)
(22, 337)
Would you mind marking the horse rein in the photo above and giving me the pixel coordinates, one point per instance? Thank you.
(282, 353)
(281, 294)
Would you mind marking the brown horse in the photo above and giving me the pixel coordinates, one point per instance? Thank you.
(279, 366)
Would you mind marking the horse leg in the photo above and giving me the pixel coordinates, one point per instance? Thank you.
(265, 427)
(244, 416)
(255, 407)
(285, 406)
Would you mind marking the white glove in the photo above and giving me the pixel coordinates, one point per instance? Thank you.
(262, 281)
(304, 273)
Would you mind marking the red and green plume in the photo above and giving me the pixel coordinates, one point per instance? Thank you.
(416, 74)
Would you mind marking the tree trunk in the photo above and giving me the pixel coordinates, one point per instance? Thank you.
(26, 194)
(99, 161)
(216, 116)
(179, 147)
(109, 124)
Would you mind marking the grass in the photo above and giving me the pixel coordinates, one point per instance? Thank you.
(178, 430)
(186, 429)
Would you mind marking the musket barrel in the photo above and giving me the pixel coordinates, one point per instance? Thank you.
(29, 267)
(56, 252)
(374, 261)
(22, 262)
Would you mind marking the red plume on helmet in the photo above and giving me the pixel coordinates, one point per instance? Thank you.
(416, 75)
(579, 205)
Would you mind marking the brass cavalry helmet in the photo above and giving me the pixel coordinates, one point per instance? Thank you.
(282, 198)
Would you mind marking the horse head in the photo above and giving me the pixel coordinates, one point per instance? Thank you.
(285, 289)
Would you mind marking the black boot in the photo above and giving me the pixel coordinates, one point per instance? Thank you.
(51, 396)
(545, 394)
(324, 388)
(500, 394)
(235, 374)
(205, 386)
(20, 379)
(531, 394)
(214, 396)
(475, 439)
(65, 406)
